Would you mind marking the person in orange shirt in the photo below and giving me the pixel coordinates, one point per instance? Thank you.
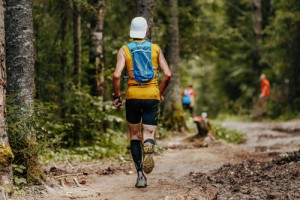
(265, 90)
(188, 99)
(264, 86)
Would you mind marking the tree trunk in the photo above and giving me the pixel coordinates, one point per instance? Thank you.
(77, 63)
(257, 28)
(145, 9)
(6, 154)
(20, 58)
(97, 55)
(77, 43)
(63, 55)
(173, 95)
(97, 48)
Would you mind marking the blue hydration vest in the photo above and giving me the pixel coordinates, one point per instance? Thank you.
(143, 70)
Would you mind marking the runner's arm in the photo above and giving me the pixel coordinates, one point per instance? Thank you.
(167, 72)
(117, 75)
(192, 99)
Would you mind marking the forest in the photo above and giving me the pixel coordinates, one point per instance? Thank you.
(58, 57)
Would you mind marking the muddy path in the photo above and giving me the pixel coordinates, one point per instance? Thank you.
(186, 170)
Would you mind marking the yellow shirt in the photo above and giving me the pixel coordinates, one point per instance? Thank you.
(149, 91)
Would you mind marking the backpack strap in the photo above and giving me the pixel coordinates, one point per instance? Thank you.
(186, 92)
(145, 43)
(131, 45)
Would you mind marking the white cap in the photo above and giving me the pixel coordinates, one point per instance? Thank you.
(262, 76)
(138, 27)
(204, 114)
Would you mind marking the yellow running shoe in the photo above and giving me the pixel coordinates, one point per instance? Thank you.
(148, 161)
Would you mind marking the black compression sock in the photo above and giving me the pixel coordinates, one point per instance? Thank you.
(151, 141)
(136, 152)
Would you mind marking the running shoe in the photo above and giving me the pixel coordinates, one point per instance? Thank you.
(148, 161)
(141, 181)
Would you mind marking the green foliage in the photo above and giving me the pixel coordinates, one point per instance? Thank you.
(279, 111)
(162, 132)
(218, 61)
(19, 180)
(216, 51)
(230, 117)
(84, 117)
(110, 144)
(38, 127)
(30, 134)
(281, 52)
(217, 55)
(20, 169)
(174, 118)
(231, 136)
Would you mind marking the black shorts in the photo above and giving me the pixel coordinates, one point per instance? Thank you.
(145, 109)
(188, 107)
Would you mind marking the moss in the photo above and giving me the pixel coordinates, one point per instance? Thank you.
(35, 173)
(28, 157)
(178, 117)
(174, 118)
(6, 156)
(231, 136)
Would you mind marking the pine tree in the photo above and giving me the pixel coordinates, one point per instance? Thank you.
(77, 43)
(173, 109)
(146, 9)
(6, 154)
(20, 59)
(97, 48)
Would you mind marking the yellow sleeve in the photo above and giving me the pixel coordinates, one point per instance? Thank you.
(128, 60)
(155, 55)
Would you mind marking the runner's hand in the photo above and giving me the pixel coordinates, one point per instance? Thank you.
(161, 98)
(118, 103)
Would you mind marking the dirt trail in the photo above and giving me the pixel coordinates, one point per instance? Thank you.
(184, 170)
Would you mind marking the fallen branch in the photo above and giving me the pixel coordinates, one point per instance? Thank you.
(65, 175)
(62, 183)
(77, 183)
(68, 162)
